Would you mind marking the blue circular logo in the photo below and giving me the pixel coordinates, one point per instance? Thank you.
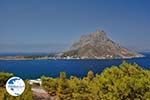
(15, 86)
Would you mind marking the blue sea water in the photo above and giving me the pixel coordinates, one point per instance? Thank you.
(32, 69)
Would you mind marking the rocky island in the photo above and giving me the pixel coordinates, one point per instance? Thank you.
(97, 45)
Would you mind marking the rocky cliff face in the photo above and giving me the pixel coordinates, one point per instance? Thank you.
(98, 46)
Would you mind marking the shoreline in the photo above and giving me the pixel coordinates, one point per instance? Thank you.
(59, 58)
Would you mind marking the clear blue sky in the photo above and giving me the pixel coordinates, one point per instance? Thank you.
(53, 25)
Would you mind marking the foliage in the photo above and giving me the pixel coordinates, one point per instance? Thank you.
(4, 77)
(126, 82)
(27, 95)
(49, 84)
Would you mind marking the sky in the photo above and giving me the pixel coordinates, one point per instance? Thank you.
(53, 25)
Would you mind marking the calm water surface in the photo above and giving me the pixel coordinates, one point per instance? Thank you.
(32, 69)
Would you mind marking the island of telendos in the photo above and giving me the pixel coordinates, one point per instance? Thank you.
(97, 45)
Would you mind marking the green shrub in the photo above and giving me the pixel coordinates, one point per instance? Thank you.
(124, 82)
(4, 77)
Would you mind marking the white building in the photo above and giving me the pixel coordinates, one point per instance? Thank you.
(35, 81)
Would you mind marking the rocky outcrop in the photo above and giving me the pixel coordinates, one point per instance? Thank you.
(98, 46)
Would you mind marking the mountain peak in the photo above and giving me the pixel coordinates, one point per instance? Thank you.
(99, 34)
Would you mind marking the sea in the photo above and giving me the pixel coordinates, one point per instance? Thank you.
(33, 69)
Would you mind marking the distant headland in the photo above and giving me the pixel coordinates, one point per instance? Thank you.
(95, 45)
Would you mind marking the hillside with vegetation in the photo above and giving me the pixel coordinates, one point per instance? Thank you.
(27, 94)
(124, 82)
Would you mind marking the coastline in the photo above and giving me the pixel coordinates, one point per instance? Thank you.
(55, 58)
